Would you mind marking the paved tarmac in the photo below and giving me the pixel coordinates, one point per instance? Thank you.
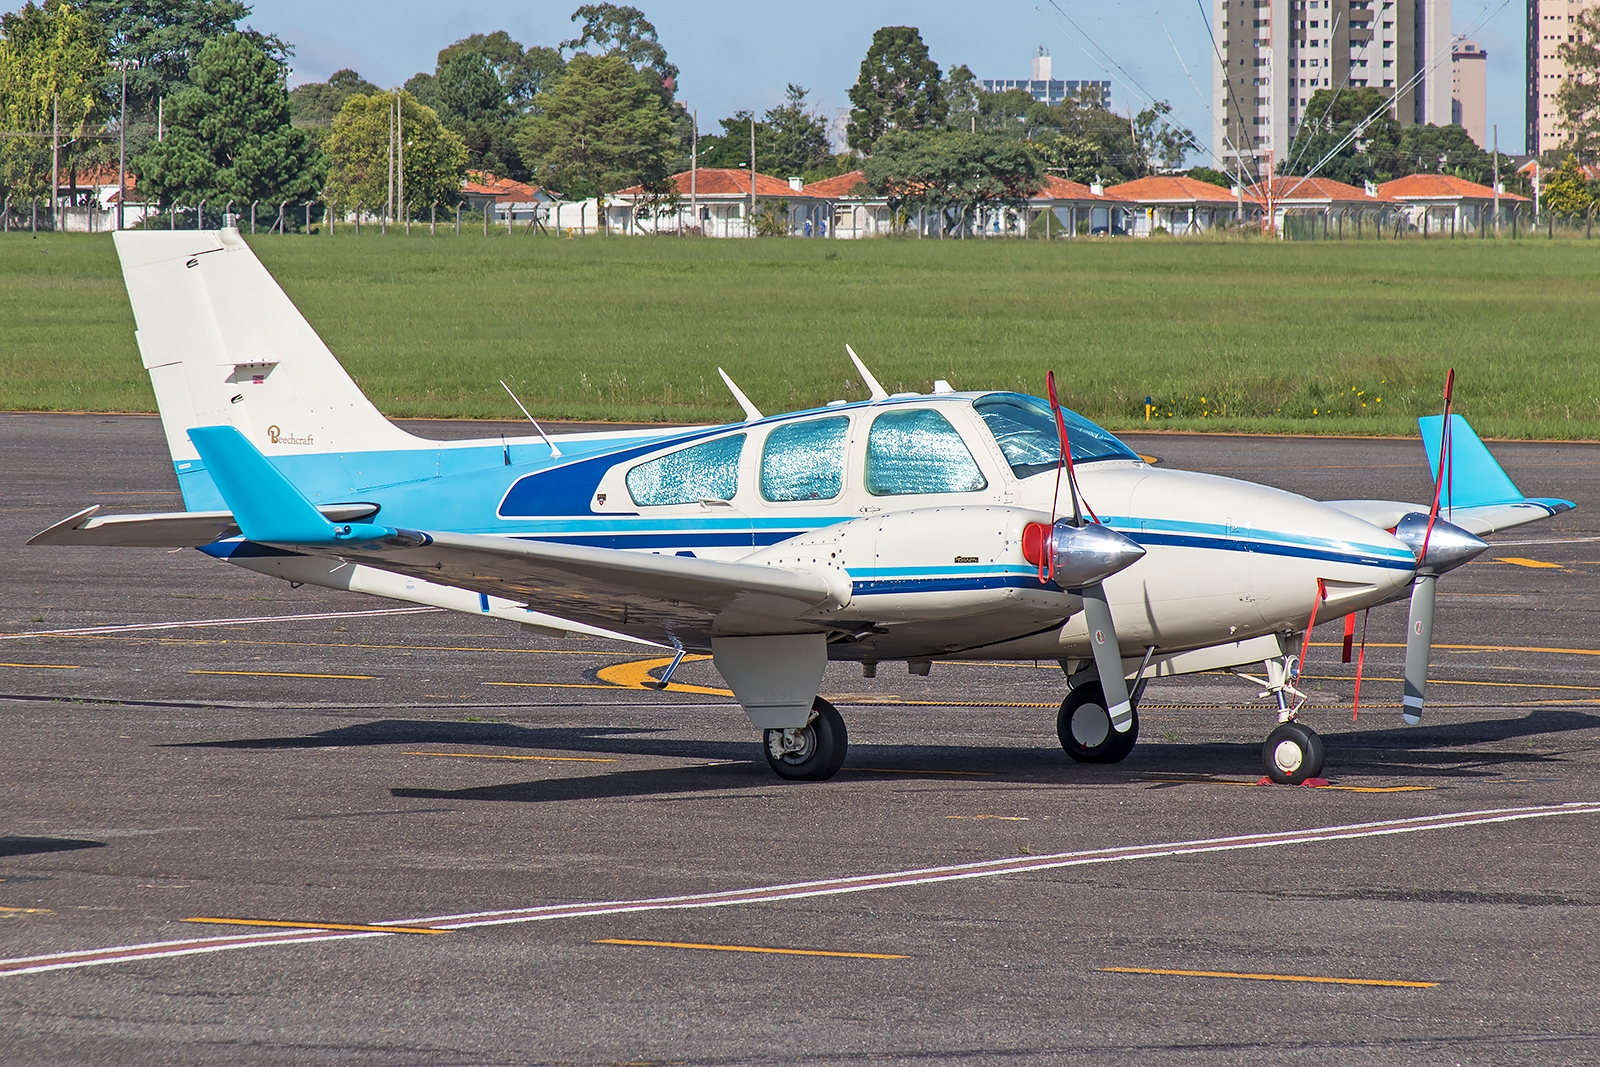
(976, 897)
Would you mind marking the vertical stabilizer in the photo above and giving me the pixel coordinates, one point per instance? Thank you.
(225, 347)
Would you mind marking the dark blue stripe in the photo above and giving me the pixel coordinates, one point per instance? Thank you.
(1268, 548)
(945, 585)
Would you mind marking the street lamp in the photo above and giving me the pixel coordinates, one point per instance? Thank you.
(123, 65)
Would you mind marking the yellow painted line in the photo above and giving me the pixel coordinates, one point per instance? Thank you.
(1274, 977)
(44, 666)
(292, 674)
(751, 948)
(634, 674)
(552, 685)
(1002, 818)
(921, 770)
(26, 911)
(320, 926)
(1468, 648)
(1455, 681)
(1523, 562)
(491, 755)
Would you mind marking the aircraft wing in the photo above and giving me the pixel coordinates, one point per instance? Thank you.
(652, 596)
(1477, 496)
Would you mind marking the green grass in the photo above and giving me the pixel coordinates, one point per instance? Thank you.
(1224, 335)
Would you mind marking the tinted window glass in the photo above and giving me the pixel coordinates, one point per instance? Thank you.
(1026, 432)
(702, 472)
(918, 451)
(804, 460)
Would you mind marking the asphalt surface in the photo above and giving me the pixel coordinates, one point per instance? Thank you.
(319, 766)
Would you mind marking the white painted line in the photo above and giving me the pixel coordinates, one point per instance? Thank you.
(198, 623)
(1548, 541)
(823, 887)
(1010, 865)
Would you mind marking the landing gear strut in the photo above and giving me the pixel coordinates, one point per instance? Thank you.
(810, 753)
(1084, 727)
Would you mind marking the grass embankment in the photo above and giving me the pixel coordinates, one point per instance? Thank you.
(1223, 335)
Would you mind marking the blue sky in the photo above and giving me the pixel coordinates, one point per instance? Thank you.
(741, 55)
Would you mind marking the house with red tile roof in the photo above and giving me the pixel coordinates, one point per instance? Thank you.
(1063, 208)
(1445, 204)
(1178, 205)
(1060, 208)
(485, 192)
(1321, 202)
(717, 202)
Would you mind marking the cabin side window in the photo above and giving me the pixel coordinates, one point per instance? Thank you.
(918, 451)
(707, 471)
(804, 460)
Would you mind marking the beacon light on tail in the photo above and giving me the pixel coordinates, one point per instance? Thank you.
(905, 528)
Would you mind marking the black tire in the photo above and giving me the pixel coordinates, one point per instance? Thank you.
(1084, 727)
(824, 742)
(1292, 753)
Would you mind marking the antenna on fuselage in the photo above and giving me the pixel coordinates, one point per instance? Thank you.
(555, 453)
(872, 384)
(751, 412)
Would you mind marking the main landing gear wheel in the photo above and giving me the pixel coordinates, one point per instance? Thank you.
(1292, 754)
(1084, 726)
(810, 753)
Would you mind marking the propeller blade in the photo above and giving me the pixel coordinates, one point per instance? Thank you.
(1419, 639)
(1107, 656)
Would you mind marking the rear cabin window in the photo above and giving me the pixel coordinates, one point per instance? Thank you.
(918, 451)
(804, 460)
(700, 472)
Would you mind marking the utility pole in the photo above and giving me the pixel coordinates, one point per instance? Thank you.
(1497, 180)
(122, 146)
(752, 173)
(161, 106)
(388, 207)
(55, 163)
(694, 169)
(1536, 184)
(400, 155)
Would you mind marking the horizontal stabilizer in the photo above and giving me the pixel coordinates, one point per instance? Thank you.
(165, 529)
(265, 504)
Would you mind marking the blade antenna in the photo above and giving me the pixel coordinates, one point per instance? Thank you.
(872, 384)
(751, 412)
(555, 453)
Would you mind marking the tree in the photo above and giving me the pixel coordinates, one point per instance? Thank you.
(624, 32)
(1578, 98)
(1212, 177)
(316, 103)
(899, 88)
(52, 65)
(953, 174)
(1566, 191)
(435, 158)
(480, 87)
(601, 127)
(229, 134)
(166, 38)
(791, 140)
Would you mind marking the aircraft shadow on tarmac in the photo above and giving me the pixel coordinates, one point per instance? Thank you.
(29, 846)
(1442, 751)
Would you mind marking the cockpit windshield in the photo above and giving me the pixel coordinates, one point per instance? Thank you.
(1026, 433)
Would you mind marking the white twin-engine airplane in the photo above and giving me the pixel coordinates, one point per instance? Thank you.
(906, 527)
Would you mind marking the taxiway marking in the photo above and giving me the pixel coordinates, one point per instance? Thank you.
(1255, 782)
(292, 674)
(44, 666)
(491, 755)
(388, 929)
(823, 887)
(84, 631)
(922, 770)
(1521, 561)
(750, 948)
(634, 673)
(1320, 979)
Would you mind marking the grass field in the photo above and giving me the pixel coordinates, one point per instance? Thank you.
(1222, 335)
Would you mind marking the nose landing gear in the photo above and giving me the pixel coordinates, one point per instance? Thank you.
(1293, 752)
(1084, 727)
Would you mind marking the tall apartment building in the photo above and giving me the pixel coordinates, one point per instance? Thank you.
(1469, 90)
(1274, 54)
(1549, 24)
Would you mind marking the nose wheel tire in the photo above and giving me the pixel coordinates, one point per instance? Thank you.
(1084, 726)
(1292, 754)
(810, 753)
